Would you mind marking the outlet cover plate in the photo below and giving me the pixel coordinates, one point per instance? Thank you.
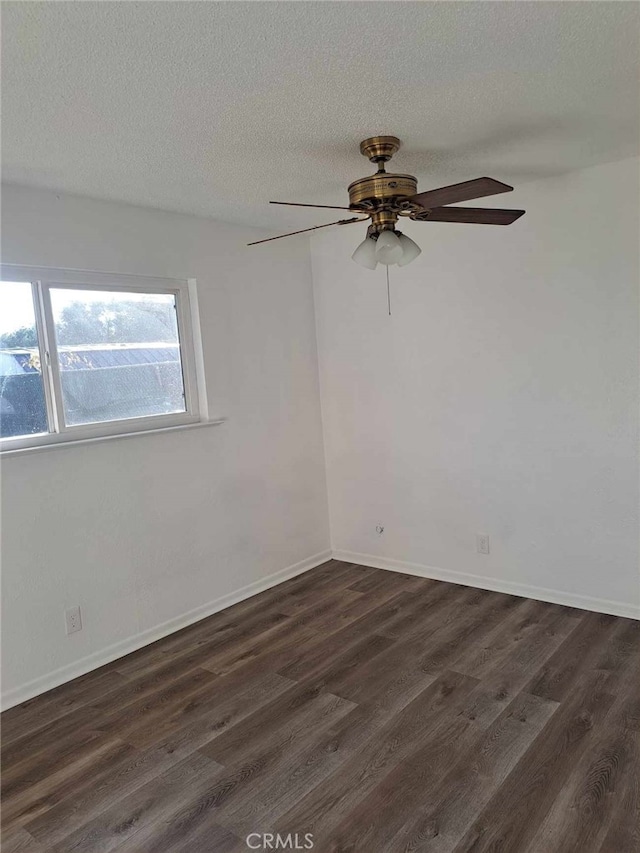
(73, 619)
(482, 543)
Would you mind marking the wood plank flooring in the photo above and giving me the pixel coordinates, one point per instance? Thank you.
(376, 711)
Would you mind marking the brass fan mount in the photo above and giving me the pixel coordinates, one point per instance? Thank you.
(379, 149)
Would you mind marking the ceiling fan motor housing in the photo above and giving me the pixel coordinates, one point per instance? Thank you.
(382, 187)
(382, 196)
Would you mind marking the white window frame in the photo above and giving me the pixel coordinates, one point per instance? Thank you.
(42, 279)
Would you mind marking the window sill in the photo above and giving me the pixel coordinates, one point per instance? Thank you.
(73, 442)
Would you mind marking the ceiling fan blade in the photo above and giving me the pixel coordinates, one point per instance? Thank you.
(315, 228)
(299, 204)
(478, 215)
(465, 191)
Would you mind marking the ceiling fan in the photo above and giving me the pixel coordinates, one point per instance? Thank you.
(386, 196)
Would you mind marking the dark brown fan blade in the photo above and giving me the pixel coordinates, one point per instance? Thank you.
(299, 204)
(465, 191)
(315, 228)
(479, 215)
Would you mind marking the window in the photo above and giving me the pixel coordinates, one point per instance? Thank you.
(88, 355)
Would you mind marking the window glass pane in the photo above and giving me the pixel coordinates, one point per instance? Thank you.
(23, 409)
(119, 354)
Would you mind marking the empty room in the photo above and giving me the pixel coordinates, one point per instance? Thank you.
(320, 426)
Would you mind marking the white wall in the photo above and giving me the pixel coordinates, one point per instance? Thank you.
(141, 531)
(501, 396)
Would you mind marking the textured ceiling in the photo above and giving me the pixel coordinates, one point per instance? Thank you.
(215, 108)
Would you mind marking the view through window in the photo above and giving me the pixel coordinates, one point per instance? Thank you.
(74, 356)
(23, 407)
(118, 354)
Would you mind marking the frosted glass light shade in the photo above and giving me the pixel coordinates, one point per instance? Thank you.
(365, 254)
(388, 248)
(410, 250)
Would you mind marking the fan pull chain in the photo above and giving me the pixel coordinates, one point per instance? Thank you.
(388, 292)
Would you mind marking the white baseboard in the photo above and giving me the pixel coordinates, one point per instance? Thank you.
(80, 667)
(583, 602)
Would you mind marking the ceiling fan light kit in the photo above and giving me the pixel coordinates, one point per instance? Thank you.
(365, 254)
(388, 248)
(386, 196)
(410, 250)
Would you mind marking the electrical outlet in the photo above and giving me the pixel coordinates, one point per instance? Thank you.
(73, 620)
(482, 543)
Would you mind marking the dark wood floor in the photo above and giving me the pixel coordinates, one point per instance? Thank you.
(377, 711)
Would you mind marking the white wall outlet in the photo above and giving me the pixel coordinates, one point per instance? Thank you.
(73, 620)
(482, 543)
